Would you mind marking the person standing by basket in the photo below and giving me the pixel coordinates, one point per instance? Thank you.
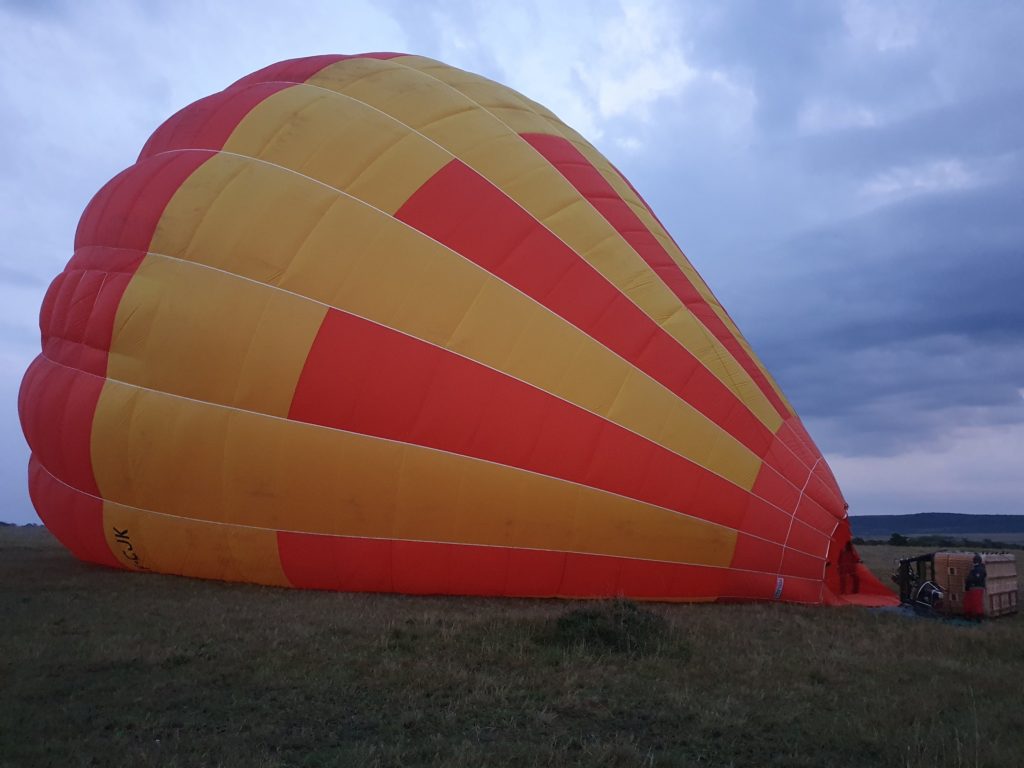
(974, 590)
(849, 578)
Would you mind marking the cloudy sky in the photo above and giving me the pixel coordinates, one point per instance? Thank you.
(847, 176)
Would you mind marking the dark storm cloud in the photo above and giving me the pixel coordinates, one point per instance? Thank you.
(894, 56)
(981, 126)
(904, 321)
(865, 229)
(778, 49)
(40, 8)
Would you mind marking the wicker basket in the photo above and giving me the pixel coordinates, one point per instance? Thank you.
(1001, 591)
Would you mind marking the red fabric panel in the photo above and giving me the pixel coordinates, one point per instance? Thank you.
(797, 590)
(870, 585)
(366, 378)
(824, 471)
(372, 565)
(77, 318)
(830, 598)
(59, 395)
(764, 520)
(840, 538)
(808, 539)
(300, 70)
(125, 212)
(780, 458)
(74, 518)
(589, 182)
(862, 599)
(798, 564)
(770, 484)
(465, 212)
(756, 555)
(822, 496)
(650, 210)
(56, 405)
(209, 122)
(320, 562)
(795, 438)
(748, 585)
(743, 585)
(793, 435)
(810, 512)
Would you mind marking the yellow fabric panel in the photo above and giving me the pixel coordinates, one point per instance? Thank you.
(203, 334)
(519, 113)
(217, 206)
(358, 259)
(145, 540)
(202, 461)
(600, 162)
(339, 142)
(490, 147)
(525, 115)
(447, 117)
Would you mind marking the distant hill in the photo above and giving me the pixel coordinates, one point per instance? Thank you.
(934, 523)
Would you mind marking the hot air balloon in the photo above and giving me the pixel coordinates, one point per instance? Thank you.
(373, 323)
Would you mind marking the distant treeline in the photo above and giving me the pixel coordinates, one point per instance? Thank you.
(939, 542)
(935, 524)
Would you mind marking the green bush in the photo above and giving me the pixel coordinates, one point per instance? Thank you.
(618, 626)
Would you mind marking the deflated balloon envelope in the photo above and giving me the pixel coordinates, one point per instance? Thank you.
(375, 323)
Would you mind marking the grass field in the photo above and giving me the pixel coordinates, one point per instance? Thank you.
(105, 668)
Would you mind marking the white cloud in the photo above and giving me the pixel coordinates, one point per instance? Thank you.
(601, 67)
(827, 115)
(889, 26)
(946, 175)
(639, 61)
(630, 143)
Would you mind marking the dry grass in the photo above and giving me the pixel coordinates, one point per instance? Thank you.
(106, 668)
